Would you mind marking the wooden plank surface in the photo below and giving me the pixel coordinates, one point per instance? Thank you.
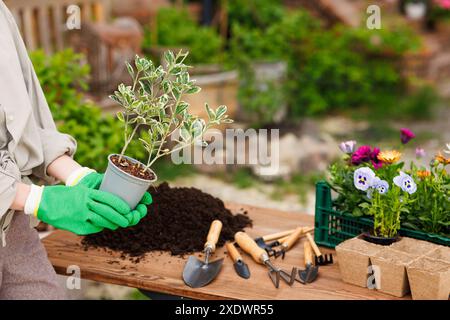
(160, 272)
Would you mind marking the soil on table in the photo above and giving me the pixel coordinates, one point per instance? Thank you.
(135, 169)
(178, 221)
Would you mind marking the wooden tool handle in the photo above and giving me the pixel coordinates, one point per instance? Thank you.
(233, 252)
(313, 245)
(277, 235)
(305, 229)
(292, 239)
(308, 229)
(307, 251)
(249, 245)
(213, 235)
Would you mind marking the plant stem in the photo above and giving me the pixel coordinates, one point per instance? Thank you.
(135, 80)
(128, 141)
(166, 134)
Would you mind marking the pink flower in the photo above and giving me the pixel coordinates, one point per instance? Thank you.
(365, 154)
(444, 4)
(377, 164)
(420, 153)
(406, 135)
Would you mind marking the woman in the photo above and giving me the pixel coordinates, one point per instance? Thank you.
(31, 147)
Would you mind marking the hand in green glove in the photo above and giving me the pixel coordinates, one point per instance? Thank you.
(93, 180)
(81, 210)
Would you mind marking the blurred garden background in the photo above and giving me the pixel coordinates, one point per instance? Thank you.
(313, 69)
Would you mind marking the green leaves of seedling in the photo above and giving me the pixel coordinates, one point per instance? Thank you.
(217, 116)
(155, 100)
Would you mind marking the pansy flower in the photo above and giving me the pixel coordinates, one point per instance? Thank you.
(405, 182)
(363, 178)
(382, 186)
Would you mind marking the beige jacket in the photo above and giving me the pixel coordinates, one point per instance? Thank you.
(29, 140)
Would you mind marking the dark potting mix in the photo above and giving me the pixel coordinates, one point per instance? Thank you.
(178, 221)
(135, 169)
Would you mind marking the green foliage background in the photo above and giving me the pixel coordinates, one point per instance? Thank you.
(329, 69)
(176, 28)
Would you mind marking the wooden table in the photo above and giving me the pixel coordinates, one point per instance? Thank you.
(160, 272)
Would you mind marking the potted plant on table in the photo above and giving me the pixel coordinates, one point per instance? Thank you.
(386, 202)
(155, 103)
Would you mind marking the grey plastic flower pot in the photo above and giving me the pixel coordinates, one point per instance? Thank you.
(129, 188)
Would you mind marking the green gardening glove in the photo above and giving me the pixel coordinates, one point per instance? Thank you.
(93, 180)
(81, 210)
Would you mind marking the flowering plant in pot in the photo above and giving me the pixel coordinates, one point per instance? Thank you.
(154, 103)
(431, 208)
(380, 175)
(386, 202)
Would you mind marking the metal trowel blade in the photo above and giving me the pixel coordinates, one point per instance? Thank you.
(242, 269)
(198, 274)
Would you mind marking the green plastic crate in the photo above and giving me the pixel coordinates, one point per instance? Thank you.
(333, 227)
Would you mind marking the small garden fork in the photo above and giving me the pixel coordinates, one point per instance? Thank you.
(260, 256)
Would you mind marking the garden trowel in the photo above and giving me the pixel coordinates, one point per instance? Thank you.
(199, 273)
(239, 265)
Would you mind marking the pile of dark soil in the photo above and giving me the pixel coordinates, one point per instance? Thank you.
(178, 221)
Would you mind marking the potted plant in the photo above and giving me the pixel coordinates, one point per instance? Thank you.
(431, 206)
(386, 202)
(426, 215)
(155, 102)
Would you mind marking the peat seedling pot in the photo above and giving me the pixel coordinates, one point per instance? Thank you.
(413, 246)
(391, 265)
(441, 253)
(382, 241)
(354, 260)
(126, 179)
(429, 279)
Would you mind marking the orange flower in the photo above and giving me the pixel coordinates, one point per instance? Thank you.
(423, 174)
(389, 157)
(442, 159)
